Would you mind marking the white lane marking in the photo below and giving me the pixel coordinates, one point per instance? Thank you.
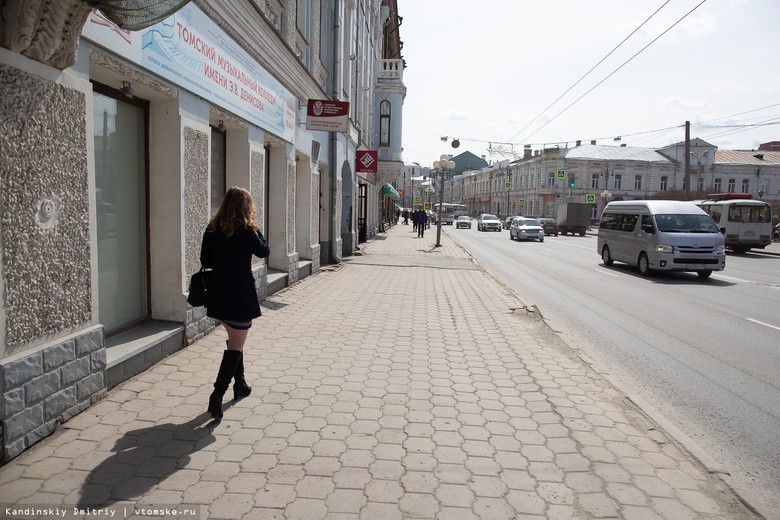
(606, 273)
(762, 323)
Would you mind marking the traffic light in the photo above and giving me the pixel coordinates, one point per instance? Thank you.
(572, 181)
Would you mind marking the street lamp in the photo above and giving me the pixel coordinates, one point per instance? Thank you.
(605, 196)
(443, 164)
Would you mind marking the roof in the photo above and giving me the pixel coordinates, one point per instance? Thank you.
(468, 160)
(591, 152)
(758, 157)
(657, 206)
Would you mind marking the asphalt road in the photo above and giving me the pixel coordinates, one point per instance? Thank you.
(705, 353)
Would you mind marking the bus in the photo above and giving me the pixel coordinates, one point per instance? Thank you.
(449, 212)
(746, 223)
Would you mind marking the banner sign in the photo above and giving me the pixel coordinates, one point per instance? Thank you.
(367, 161)
(327, 115)
(191, 51)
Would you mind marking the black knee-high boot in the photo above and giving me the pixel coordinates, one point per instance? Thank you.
(240, 388)
(230, 359)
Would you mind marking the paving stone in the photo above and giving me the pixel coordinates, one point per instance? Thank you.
(368, 404)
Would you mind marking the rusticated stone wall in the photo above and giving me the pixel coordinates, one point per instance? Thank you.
(196, 216)
(45, 213)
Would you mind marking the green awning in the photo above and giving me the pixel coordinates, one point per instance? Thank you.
(389, 191)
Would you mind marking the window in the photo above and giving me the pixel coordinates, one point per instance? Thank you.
(618, 183)
(700, 184)
(637, 182)
(718, 185)
(551, 180)
(594, 181)
(732, 185)
(664, 183)
(745, 185)
(384, 123)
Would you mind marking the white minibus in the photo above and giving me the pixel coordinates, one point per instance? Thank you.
(661, 235)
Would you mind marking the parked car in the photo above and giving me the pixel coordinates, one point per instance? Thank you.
(550, 226)
(508, 222)
(463, 221)
(526, 229)
(488, 222)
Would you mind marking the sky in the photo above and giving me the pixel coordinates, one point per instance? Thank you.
(490, 74)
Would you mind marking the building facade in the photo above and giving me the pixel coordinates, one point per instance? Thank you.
(543, 179)
(117, 147)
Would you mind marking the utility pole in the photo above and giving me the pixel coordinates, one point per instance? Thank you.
(687, 177)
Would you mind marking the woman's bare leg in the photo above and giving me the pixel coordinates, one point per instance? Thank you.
(236, 338)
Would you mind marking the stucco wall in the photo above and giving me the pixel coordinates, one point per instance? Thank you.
(45, 223)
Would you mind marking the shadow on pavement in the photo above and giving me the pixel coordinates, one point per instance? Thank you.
(142, 458)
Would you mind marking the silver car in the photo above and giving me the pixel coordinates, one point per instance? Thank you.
(526, 229)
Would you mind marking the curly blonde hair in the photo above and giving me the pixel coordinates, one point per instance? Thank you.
(237, 211)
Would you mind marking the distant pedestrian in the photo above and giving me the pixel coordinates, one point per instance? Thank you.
(422, 220)
(397, 216)
(406, 216)
(229, 242)
(414, 220)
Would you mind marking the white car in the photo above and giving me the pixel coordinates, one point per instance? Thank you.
(526, 229)
(488, 222)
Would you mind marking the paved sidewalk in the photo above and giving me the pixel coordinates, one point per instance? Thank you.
(404, 383)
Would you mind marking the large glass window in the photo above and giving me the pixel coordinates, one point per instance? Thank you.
(120, 197)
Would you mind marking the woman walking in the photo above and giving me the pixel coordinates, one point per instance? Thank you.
(230, 240)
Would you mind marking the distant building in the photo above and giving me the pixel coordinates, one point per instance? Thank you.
(536, 184)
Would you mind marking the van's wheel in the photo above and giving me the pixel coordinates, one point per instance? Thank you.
(704, 274)
(605, 257)
(643, 265)
(582, 233)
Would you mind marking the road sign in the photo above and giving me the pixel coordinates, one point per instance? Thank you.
(521, 202)
(561, 174)
(427, 206)
(417, 198)
(590, 198)
(507, 184)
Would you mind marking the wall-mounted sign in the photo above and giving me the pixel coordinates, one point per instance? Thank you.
(367, 161)
(521, 202)
(561, 174)
(326, 115)
(190, 50)
(590, 198)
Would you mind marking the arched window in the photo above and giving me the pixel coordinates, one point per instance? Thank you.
(384, 123)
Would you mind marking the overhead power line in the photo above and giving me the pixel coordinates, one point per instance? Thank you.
(615, 71)
(591, 70)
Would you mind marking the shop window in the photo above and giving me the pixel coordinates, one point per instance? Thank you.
(218, 168)
(120, 139)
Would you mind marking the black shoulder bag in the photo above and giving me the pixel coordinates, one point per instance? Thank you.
(199, 286)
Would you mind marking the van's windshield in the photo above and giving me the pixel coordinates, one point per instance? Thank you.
(686, 224)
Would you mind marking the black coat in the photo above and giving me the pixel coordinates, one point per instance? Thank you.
(232, 295)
